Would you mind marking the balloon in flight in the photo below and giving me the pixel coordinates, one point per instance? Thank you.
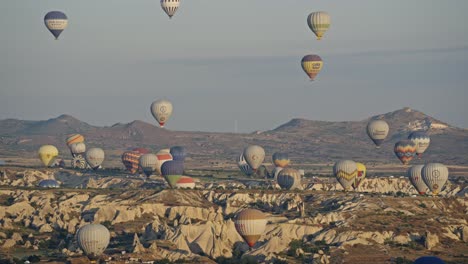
(78, 148)
(377, 130)
(435, 175)
(312, 64)
(281, 159)
(178, 153)
(250, 224)
(94, 157)
(254, 156)
(361, 174)
(345, 171)
(148, 163)
(414, 174)
(289, 179)
(93, 239)
(130, 159)
(170, 6)
(405, 150)
(161, 111)
(74, 138)
(172, 171)
(56, 22)
(319, 23)
(47, 154)
(422, 141)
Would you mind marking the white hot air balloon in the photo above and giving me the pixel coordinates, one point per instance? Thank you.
(250, 224)
(289, 179)
(415, 177)
(319, 22)
(94, 157)
(78, 148)
(93, 239)
(377, 131)
(345, 171)
(161, 111)
(254, 155)
(435, 175)
(148, 163)
(170, 6)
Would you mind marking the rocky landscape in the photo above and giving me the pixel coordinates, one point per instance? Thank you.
(384, 221)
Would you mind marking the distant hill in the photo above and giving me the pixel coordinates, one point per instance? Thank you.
(305, 140)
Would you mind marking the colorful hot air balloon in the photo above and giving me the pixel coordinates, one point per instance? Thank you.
(377, 131)
(244, 166)
(178, 153)
(435, 175)
(319, 22)
(422, 141)
(275, 172)
(56, 22)
(163, 155)
(161, 111)
(47, 154)
(254, 156)
(185, 183)
(131, 161)
(148, 163)
(415, 177)
(428, 260)
(280, 159)
(94, 157)
(312, 64)
(79, 162)
(405, 150)
(250, 224)
(170, 6)
(172, 171)
(361, 174)
(289, 179)
(49, 183)
(345, 171)
(93, 239)
(74, 138)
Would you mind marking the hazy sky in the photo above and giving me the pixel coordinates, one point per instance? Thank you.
(219, 61)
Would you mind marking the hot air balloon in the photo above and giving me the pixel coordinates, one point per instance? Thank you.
(94, 157)
(93, 239)
(56, 22)
(312, 64)
(79, 162)
(185, 183)
(345, 171)
(47, 154)
(428, 260)
(361, 174)
(250, 224)
(163, 155)
(435, 175)
(74, 138)
(178, 153)
(49, 183)
(254, 156)
(319, 22)
(275, 172)
(280, 159)
(170, 6)
(131, 161)
(78, 148)
(289, 179)
(244, 166)
(405, 150)
(172, 171)
(422, 141)
(161, 111)
(377, 131)
(415, 177)
(148, 163)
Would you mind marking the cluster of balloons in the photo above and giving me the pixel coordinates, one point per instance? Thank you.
(77, 146)
(427, 178)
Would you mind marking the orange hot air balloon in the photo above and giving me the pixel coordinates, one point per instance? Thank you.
(131, 161)
(405, 150)
(250, 224)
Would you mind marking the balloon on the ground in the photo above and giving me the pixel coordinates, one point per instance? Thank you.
(377, 130)
(178, 153)
(319, 23)
(361, 174)
(93, 239)
(131, 160)
(79, 162)
(244, 166)
(405, 150)
(170, 6)
(275, 172)
(250, 224)
(422, 141)
(312, 64)
(254, 156)
(56, 22)
(94, 157)
(289, 179)
(414, 174)
(161, 111)
(49, 183)
(47, 154)
(172, 171)
(435, 175)
(345, 172)
(428, 260)
(280, 159)
(185, 183)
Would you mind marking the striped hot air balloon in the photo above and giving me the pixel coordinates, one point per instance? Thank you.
(172, 171)
(345, 172)
(435, 175)
(422, 141)
(405, 150)
(289, 179)
(47, 154)
(56, 22)
(415, 177)
(250, 224)
(280, 159)
(148, 163)
(319, 23)
(361, 174)
(185, 183)
(93, 239)
(377, 130)
(79, 162)
(244, 166)
(131, 161)
(254, 156)
(312, 64)
(170, 6)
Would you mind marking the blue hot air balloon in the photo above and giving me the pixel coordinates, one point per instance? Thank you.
(56, 22)
(429, 260)
(172, 171)
(178, 153)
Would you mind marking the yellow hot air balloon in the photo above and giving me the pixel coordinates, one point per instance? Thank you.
(312, 64)
(47, 154)
(361, 174)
